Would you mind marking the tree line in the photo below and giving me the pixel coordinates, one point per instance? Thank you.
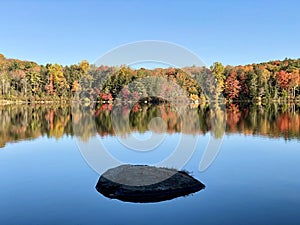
(28, 81)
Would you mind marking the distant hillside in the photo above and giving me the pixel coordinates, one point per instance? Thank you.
(28, 81)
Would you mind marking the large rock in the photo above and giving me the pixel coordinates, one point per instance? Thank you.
(136, 183)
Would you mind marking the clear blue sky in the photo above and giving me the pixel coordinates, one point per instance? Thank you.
(230, 31)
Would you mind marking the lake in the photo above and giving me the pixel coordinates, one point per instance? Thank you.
(48, 177)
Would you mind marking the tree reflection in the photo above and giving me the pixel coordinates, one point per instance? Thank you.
(54, 121)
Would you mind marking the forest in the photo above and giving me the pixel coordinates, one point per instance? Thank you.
(27, 81)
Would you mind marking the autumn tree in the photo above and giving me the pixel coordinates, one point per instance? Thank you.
(218, 71)
(232, 86)
(283, 80)
(56, 81)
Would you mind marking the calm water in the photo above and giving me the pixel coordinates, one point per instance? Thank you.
(253, 180)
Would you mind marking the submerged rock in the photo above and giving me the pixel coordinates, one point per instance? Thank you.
(137, 183)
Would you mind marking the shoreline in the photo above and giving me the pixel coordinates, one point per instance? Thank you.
(4, 102)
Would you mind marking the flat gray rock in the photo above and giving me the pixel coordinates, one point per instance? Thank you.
(138, 183)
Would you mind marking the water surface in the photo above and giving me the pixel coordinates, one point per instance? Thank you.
(254, 179)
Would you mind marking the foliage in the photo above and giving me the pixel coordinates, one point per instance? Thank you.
(28, 81)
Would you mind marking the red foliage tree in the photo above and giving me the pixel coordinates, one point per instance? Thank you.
(283, 79)
(232, 86)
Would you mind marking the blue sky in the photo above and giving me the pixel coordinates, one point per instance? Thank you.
(232, 32)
